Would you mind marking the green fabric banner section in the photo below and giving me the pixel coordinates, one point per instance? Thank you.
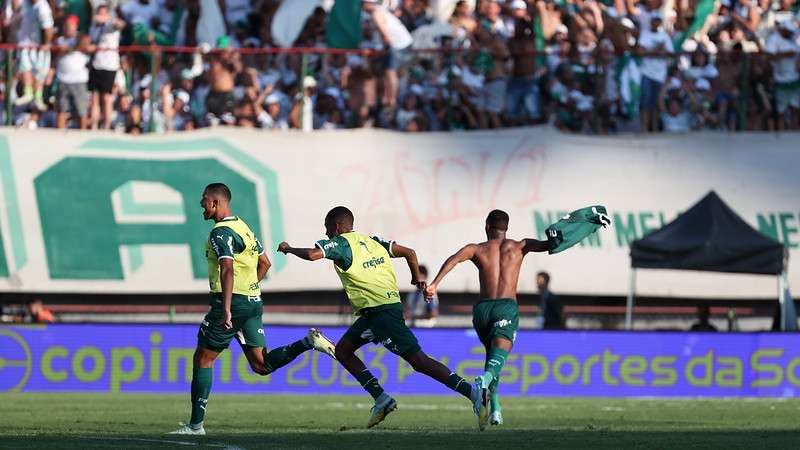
(701, 13)
(344, 24)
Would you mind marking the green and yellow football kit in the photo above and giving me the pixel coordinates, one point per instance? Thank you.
(364, 266)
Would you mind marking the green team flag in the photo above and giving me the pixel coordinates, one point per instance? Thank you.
(629, 80)
(703, 9)
(575, 226)
(344, 24)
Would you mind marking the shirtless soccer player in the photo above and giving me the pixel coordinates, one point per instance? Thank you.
(496, 316)
(364, 266)
(236, 264)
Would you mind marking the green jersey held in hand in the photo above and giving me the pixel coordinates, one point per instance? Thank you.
(576, 226)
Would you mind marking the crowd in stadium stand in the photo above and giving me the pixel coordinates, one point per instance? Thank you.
(581, 65)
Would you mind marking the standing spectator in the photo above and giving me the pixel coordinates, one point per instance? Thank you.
(675, 111)
(38, 313)
(271, 119)
(396, 37)
(783, 53)
(105, 33)
(549, 304)
(658, 45)
(72, 73)
(35, 29)
(224, 65)
(703, 323)
(490, 61)
(418, 311)
(523, 89)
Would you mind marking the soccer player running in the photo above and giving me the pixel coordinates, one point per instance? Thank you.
(364, 266)
(496, 316)
(236, 264)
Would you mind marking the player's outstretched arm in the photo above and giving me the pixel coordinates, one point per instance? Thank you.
(465, 254)
(309, 254)
(535, 245)
(398, 251)
(263, 266)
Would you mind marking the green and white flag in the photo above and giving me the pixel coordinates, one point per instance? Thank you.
(629, 79)
(344, 24)
(702, 12)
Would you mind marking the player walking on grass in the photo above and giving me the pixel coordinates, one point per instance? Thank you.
(496, 316)
(236, 264)
(364, 266)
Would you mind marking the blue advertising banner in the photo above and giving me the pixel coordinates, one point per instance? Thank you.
(157, 358)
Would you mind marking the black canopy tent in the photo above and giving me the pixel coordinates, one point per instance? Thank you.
(710, 236)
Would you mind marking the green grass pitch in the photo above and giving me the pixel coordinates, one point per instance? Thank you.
(120, 421)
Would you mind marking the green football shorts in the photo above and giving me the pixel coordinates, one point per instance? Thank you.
(495, 318)
(247, 321)
(384, 325)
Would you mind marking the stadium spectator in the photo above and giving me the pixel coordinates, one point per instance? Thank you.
(396, 39)
(417, 311)
(35, 29)
(783, 49)
(549, 304)
(703, 323)
(72, 74)
(37, 313)
(653, 41)
(223, 66)
(105, 33)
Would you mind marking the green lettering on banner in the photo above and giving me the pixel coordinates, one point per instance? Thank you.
(174, 358)
(644, 223)
(608, 360)
(48, 372)
(767, 225)
(663, 375)
(528, 379)
(510, 372)
(98, 364)
(3, 260)
(469, 366)
(404, 369)
(626, 233)
(319, 380)
(291, 379)
(730, 376)
(587, 368)
(377, 363)
(707, 364)
(155, 357)
(774, 369)
(788, 230)
(631, 369)
(11, 207)
(790, 372)
(118, 375)
(574, 371)
(75, 207)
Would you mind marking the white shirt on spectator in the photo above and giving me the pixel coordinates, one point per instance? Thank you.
(72, 68)
(35, 17)
(784, 70)
(708, 71)
(105, 36)
(655, 68)
(676, 124)
(236, 10)
(398, 36)
(136, 12)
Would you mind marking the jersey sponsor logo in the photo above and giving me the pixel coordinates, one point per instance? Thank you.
(390, 294)
(329, 245)
(374, 262)
(501, 323)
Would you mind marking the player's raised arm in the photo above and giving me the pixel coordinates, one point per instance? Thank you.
(398, 251)
(465, 254)
(309, 254)
(535, 245)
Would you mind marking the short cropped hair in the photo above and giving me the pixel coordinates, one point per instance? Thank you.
(340, 214)
(219, 190)
(546, 277)
(498, 220)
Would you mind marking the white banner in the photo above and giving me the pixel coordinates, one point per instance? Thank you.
(87, 212)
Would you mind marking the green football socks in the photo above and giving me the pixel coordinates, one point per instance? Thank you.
(201, 387)
(460, 385)
(282, 356)
(494, 364)
(370, 383)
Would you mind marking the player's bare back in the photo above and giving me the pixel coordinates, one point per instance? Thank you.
(498, 262)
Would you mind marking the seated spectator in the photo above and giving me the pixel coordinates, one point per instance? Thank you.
(37, 313)
(676, 111)
(703, 323)
(270, 119)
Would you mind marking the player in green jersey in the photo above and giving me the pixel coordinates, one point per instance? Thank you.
(364, 267)
(496, 316)
(236, 264)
